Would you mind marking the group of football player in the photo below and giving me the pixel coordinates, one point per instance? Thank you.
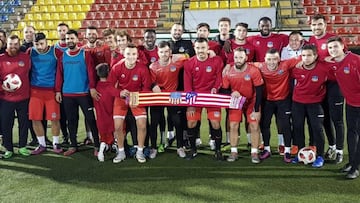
(278, 74)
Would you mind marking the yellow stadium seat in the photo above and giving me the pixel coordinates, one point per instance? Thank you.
(64, 16)
(224, 4)
(35, 9)
(28, 16)
(65, 2)
(39, 25)
(21, 25)
(69, 23)
(77, 8)
(81, 16)
(265, 3)
(60, 8)
(41, 2)
(68, 8)
(51, 8)
(55, 16)
(214, 4)
(72, 16)
(55, 2)
(80, 2)
(74, 2)
(85, 8)
(18, 33)
(53, 34)
(37, 16)
(194, 5)
(89, 1)
(234, 4)
(46, 16)
(43, 9)
(50, 25)
(203, 5)
(255, 3)
(46, 33)
(244, 4)
(76, 24)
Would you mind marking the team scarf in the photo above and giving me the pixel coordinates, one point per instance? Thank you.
(193, 99)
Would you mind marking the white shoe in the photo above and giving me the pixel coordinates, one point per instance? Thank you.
(198, 142)
(120, 156)
(212, 144)
(101, 155)
(153, 153)
(181, 152)
(140, 157)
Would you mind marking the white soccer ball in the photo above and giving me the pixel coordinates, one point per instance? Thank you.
(12, 81)
(307, 155)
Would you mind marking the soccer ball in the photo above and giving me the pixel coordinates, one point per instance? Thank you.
(12, 81)
(307, 155)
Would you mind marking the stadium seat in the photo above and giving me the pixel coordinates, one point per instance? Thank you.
(90, 15)
(309, 10)
(356, 40)
(334, 10)
(343, 2)
(357, 9)
(118, 15)
(319, 2)
(234, 4)
(354, 2)
(68, 8)
(265, 3)
(53, 34)
(85, 8)
(28, 16)
(77, 8)
(108, 15)
(255, 4)
(224, 4)
(330, 2)
(72, 16)
(55, 16)
(64, 16)
(35, 9)
(81, 15)
(203, 5)
(337, 20)
(244, 4)
(46, 16)
(355, 30)
(113, 7)
(346, 9)
(39, 25)
(341, 31)
(152, 14)
(37, 16)
(50, 25)
(40, 2)
(21, 25)
(323, 10)
(306, 2)
(76, 24)
(350, 20)
(213, 4)
(60, 8)
(156, 6)
(51, 8)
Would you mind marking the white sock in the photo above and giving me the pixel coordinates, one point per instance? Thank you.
(234, 150)
(333, 147)
(170, 135)
(121, 149)
(248, 135)
(41, 140)
(140, 149)
(55, 139)
(254, 150)
(89, 135)
(340, 151)
(267, 148)
(287, 150)
(281, 139)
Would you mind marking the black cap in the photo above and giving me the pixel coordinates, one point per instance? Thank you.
(39, 36)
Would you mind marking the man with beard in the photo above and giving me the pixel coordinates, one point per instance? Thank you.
(15, 62)
(309, 92)
(74, 80)
(244, 79)
(203, 30)
(347, 74)
(42, 95)
(333, 104)
(164, 74)
(202, 74)
(29, 35)
(129, 75)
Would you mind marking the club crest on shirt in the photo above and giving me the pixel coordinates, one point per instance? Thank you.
(99, 53)
(346, 70)
(153, 59)
(21, 63)
(257, 42)
(53, 115)
(280, 72)
(181, 49)
(270, 44)
(197, 69)
(314, 78)
(208, 69)
(247, 51)
(323, 46)
(135, 77)
(172, 68)
(114, 55)
(247, 77)
(122, 75)
(8, 63)
(217, 114)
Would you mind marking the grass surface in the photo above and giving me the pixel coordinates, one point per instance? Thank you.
(81, 178)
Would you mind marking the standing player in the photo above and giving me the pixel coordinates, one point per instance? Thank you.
(62, 29)
(130, 76)
(15, 62)
(277, 101)
(29, 37)
(74, 80)
(224, 26)
(333, 104)
(202, 74)
(347, 74)
(164, 74)
(309, 92)
(203, 30)
(42, 98)
(244, 79)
